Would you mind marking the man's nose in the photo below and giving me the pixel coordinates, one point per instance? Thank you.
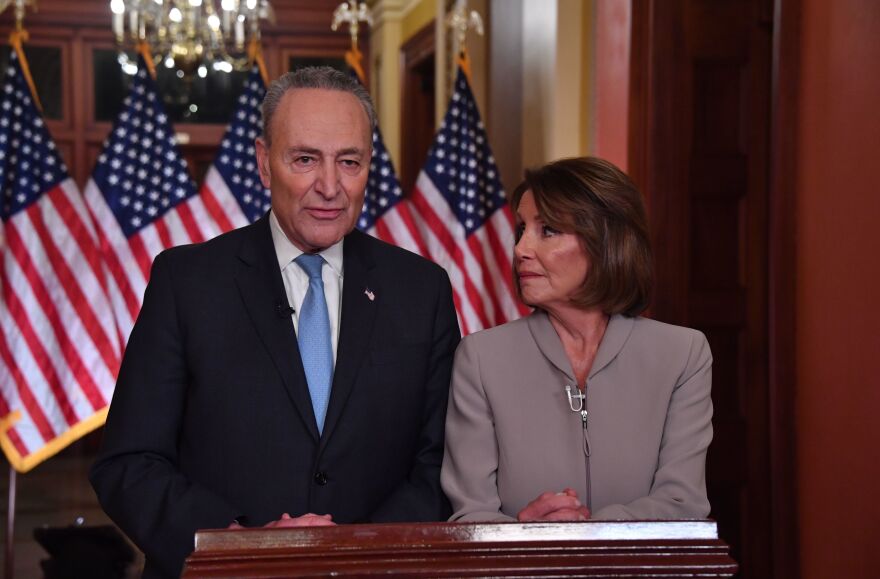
(328, 180)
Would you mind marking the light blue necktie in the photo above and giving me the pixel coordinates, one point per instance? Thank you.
(314, 337)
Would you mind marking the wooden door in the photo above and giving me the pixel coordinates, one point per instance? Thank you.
(700, 133)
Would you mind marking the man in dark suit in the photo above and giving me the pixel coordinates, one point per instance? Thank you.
(291, 372)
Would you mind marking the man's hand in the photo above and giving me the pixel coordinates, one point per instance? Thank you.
(306, 520)
(550, 506)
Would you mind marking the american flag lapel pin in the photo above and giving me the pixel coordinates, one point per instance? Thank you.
(370, 295)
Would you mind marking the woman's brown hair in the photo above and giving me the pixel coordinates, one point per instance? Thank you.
(596, 201)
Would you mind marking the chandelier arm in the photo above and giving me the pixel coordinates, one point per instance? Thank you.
(190, 35)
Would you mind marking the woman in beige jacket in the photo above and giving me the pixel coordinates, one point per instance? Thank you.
(582, 409)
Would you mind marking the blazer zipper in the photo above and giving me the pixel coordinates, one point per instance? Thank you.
(587, 450)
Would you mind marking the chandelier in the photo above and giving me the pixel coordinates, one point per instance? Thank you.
(190, 35)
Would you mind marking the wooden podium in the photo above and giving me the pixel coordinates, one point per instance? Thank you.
(592, 549)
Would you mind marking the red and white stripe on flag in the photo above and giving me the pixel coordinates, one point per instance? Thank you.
(232, 190)
(142, 198)
(464, 218)
(59, 348)
(386, 213)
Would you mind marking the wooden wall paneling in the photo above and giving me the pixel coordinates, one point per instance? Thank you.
(65, 14)
(311, 47)
(302, 17)
(700, 94)
(417, 103)
(782, 325)
(91, 43)
(730, 72)
(80, 168)
(93, 132)
(756, 141)
(271, 56)
(656, 70)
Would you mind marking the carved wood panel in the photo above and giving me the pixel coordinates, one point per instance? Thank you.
(700, 151)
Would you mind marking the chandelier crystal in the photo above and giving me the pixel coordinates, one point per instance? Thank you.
(189, 35)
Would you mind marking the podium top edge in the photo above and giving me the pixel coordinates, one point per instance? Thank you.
(456, 533)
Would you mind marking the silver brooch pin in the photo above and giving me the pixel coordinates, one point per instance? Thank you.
(370, 295)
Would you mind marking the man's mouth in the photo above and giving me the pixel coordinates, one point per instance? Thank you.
(324, 214)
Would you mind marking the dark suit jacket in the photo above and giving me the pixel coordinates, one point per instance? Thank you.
(212, 421)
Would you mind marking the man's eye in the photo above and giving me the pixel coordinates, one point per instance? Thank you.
(350, 165)
(304, 160)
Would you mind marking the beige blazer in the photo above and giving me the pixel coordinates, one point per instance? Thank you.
(510, 434)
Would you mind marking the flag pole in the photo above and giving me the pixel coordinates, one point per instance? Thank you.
(10, 524)
(255, 55)
(353, 59)
(17, 38)
(143, 48)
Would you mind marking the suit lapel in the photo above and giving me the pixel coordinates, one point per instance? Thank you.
(262, 290)
(357, 317)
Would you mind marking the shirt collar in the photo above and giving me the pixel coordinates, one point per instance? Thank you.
(286, 251)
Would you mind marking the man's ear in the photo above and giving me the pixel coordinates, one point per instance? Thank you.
(263, 162)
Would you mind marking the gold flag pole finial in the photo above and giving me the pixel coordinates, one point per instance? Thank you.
(461, 22)
(17, 38)
(353, 13)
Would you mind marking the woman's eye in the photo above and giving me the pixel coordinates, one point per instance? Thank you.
(518, 232)
(548, 231)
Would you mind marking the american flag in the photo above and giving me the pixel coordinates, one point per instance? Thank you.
(232, 190)
(386, 212)
(462, 212)
(59, 348)
(142, 197)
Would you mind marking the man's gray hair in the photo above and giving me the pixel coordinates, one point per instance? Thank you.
(321, 77)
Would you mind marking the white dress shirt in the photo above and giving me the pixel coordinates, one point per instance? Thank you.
(296, 281)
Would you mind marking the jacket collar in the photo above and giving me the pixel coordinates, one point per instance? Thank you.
(545, 336)
(262, 290)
